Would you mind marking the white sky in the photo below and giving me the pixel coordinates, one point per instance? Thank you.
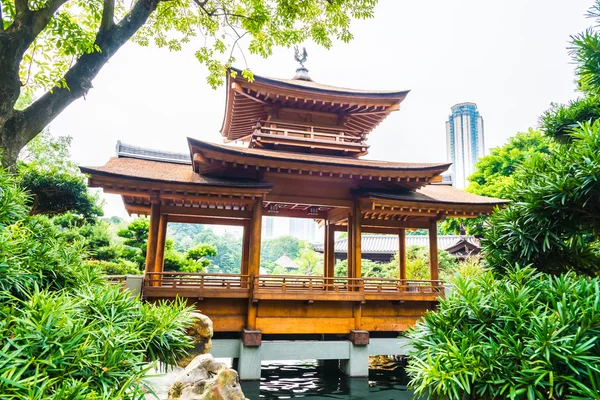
(509, 57)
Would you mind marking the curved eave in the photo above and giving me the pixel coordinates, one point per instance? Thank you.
(228, 157)
(431, 200)
(393, 95)
(364, 109)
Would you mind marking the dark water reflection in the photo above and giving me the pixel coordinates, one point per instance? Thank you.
(307, 379)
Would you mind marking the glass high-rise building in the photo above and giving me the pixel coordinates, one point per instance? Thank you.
(464, 141)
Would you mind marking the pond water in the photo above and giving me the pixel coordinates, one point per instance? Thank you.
(308, 379)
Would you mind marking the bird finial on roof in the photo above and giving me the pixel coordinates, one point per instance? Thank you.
(302, 72)
(300, 59)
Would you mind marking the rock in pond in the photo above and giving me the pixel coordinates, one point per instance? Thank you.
(206, 379)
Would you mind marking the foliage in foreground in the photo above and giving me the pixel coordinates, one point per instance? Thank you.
(526, 336)
(64, 333)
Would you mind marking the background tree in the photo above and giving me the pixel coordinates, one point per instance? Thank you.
(59, 46)
(272, 249)
(46, 170)
(494, 176)
(553, 221)
(309, 262)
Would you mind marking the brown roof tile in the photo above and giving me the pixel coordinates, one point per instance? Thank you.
(436, 194)
(165, 172)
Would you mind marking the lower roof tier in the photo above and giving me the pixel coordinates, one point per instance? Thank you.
(142, 180)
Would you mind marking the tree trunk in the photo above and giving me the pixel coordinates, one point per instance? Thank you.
(17, 128)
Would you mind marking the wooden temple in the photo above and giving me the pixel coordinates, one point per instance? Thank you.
(301, 157)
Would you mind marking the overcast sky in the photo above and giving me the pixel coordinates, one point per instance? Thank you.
(510, 57)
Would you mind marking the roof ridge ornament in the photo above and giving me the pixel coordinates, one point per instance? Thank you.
(302, 71)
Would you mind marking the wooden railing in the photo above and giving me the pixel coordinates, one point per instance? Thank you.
(290, 283)
(169, 284)
(385, 285)
(196, 280)
(331, 134)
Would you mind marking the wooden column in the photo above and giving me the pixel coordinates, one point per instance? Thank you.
(254, 259)
(433, 251)
(402, 253)
(255, 233)
(356, 232)
(160, 243)
(330, 257)
(152, 237)
(245, 249)
(350, 247)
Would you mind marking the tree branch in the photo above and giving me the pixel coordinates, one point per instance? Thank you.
(42, 16)
(79, 77)
(108, 15)
(21, 8)
(1, 20)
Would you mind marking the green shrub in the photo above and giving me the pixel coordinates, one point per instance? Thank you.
(526, 336)
(64, 332)
(121, 267)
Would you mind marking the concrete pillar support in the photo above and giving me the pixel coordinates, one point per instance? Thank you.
(357, 365)
(249, 363)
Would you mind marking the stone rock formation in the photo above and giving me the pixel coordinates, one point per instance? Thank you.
(206, 379)
(201, 333)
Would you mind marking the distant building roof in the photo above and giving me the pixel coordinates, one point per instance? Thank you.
(286, 262)
(127, 150)
(388, 244)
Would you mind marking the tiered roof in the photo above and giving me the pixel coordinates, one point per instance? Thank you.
(328, 129)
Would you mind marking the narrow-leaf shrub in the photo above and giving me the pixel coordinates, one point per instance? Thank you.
(526, 336)
(64, 332)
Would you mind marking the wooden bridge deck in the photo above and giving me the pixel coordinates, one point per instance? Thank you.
(295, 304)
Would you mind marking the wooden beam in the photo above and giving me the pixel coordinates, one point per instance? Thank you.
(152, 237)
(337, 215)
(296, 213)
(192, 219)
(239, 90)
(139, 209)
(402, 253)
(381, 223)
(308, 201)
(433, 252)
(160, 243)
(207, 212)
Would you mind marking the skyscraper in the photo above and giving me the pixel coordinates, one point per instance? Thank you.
(464, 141)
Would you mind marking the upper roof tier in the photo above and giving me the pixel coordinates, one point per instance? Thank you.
(352, 112)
